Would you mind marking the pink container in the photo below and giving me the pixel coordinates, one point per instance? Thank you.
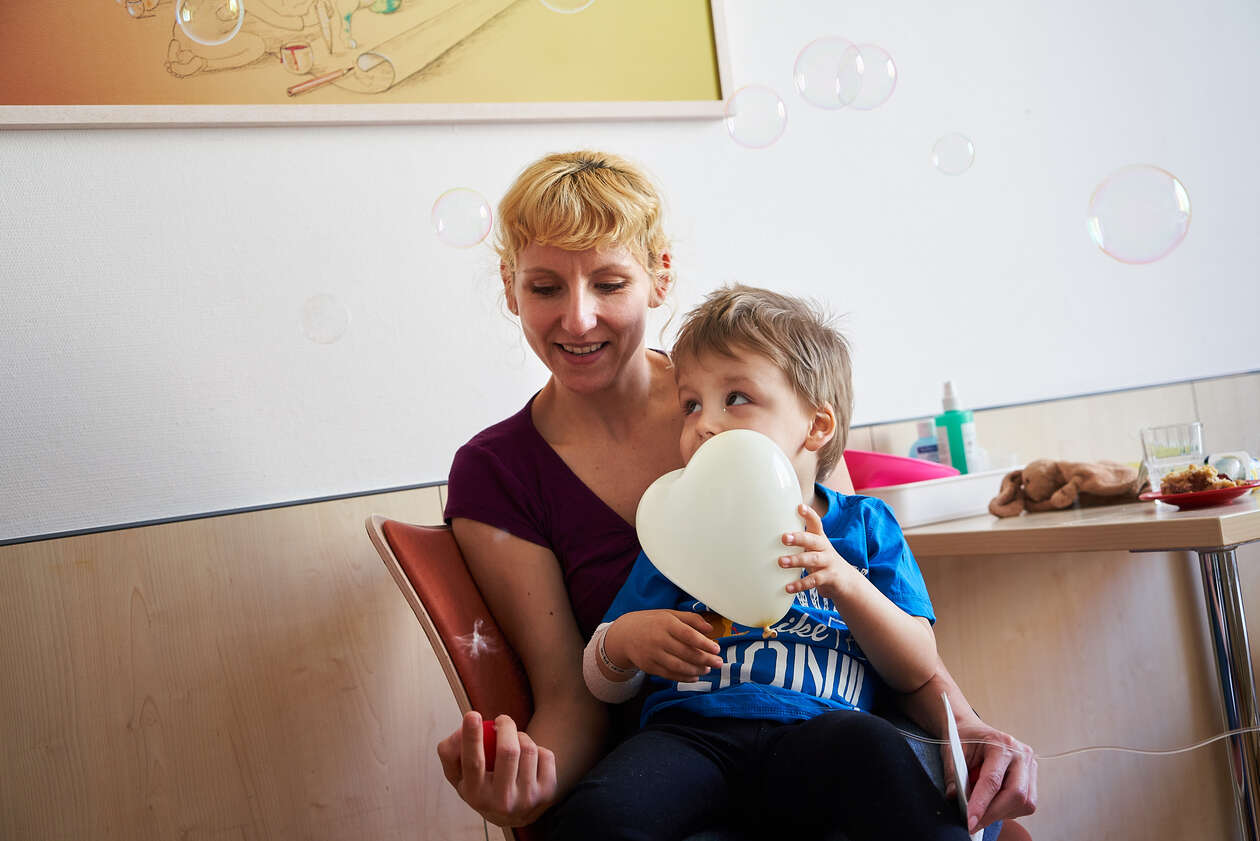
(878, 470)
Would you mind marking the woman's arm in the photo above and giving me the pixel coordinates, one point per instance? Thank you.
(524, 589)
(1003, 773)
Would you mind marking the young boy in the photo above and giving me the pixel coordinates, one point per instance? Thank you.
(772, 733)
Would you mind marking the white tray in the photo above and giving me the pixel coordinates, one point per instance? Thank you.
(935, 500)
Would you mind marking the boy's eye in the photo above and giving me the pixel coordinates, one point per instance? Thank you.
(736, 398)
(690, 406)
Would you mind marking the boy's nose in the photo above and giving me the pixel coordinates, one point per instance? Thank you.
(709, 424)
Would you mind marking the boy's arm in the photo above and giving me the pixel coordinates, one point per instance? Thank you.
(667, 643)
(901, 647)
(640, 634)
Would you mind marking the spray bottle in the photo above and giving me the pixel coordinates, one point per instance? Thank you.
(956, 433)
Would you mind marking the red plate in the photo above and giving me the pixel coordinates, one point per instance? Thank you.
(1202, 499)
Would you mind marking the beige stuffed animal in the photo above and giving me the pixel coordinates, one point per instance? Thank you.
(1047, 485)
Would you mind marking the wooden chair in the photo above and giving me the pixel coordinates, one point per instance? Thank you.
(484, 672)
(482, 669)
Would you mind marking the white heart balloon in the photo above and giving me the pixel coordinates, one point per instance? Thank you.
(715, 527)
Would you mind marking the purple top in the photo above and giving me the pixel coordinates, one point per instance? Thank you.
(509, 477)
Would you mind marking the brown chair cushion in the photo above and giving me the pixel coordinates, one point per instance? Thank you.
(488, 668)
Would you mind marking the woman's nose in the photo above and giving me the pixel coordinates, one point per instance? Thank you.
(579, 314)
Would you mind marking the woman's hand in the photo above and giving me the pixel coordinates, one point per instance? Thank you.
(668, 643)
(523, 783)
(1002, 774)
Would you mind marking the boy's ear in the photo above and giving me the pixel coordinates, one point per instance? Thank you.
(509, 291)
(822, 429)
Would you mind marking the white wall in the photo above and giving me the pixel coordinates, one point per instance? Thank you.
(152, 362)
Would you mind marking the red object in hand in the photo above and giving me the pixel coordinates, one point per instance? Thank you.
(490, 742)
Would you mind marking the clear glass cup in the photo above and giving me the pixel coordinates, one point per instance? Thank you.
(1169, 448)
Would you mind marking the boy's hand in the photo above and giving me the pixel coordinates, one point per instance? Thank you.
(827, 570)
(668, 643)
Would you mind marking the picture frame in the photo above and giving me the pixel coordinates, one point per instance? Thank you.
(422, 61)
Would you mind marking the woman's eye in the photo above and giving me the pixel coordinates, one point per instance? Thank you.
(543, 290)
(611, 286)
(735, 398)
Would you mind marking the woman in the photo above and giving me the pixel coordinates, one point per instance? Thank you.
(542, 504)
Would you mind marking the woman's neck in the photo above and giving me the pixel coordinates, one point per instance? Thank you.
(614, 411)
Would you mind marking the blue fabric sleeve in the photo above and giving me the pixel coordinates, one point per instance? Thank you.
(645, 589)
(893, 568)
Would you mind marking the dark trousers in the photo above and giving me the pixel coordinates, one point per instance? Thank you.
(846, 771)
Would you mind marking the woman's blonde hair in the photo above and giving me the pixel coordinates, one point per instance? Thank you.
(581, 200)
(794, 334)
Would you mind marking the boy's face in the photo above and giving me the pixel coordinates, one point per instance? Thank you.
(746, 391)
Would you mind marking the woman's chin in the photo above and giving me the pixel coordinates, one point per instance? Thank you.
(584, 373)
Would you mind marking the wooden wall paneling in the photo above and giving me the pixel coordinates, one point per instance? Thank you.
(253, 676)
(1229, 408)
(1100, 648)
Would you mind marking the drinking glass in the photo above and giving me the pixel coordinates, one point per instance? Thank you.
(1169, 448)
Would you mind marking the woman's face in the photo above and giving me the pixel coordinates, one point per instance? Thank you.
(583, 312)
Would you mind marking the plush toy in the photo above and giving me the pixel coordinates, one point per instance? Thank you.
(1047, 485)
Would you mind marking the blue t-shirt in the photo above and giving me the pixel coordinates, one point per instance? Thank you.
(814, 665)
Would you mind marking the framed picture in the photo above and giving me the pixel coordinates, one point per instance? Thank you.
(82, 63)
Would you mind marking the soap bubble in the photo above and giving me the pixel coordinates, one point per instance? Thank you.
(461, 217)
(567, 7)
(828, 72)
(755, 116)
(210, 22)
(1139, 214)
(324, 319)
(877, 75)
(953, 154)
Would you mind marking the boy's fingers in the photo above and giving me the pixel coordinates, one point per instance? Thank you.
(695, 620)
(813, 523)
(806, 540)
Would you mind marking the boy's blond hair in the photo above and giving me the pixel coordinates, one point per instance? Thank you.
(794, 334)
(581, 200)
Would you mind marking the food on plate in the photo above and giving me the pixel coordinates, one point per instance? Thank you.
(1197, 477)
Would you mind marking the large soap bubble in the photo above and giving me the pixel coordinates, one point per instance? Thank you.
(877, 75)
(1139, 214)
(461, 217)
(210, 22)
(953, 154)
(567, 7)
(755, 116)
(324, 319)
(828, 72)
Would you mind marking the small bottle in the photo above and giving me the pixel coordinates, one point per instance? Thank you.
(956, 433)
(925, 448)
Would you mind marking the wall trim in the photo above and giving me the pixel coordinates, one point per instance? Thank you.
(265, 506)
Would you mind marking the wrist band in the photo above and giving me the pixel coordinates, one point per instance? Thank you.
(603, 656)
(603, 687)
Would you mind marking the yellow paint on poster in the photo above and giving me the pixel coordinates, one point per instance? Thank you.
(77, 52)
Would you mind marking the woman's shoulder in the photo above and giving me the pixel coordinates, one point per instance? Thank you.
(509, 432)
(510, 450)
